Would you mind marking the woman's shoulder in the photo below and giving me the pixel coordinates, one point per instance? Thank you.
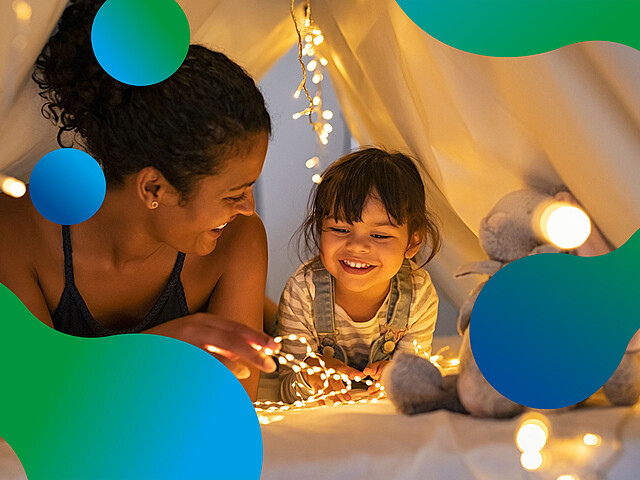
(21, 224)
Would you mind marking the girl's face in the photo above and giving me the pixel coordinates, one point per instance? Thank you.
(363, 257)
(218, 199)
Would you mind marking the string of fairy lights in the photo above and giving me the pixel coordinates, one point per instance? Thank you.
(310, 40)
(324, 373)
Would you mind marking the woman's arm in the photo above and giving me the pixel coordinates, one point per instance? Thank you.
(17, 272)
(239, 293)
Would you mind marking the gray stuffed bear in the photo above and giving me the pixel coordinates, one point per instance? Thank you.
(415, 385)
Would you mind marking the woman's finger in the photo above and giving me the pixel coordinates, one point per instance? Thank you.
(234, 347)
(240, 370)
(252, 336)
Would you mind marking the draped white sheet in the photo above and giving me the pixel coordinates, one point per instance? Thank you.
(481, 126)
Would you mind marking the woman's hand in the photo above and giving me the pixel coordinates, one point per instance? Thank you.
(335, 385)
(230, 342)
(375, 372)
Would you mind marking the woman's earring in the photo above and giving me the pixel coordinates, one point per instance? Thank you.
(154, 204)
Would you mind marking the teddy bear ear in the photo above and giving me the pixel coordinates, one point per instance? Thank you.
(495, 220)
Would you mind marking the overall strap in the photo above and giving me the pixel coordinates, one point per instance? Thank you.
(324, 311)
(400, 297)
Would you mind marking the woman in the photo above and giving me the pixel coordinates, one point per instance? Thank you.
(176, 248)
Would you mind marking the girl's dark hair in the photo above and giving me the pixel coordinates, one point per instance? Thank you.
(185, 126)
(350, 181)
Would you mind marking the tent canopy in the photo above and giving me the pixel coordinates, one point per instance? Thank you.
(480, 126)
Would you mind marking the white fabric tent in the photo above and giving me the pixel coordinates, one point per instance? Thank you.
(481, 126)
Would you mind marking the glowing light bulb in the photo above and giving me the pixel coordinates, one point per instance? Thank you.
(591, 439)
(312, 162)
(327, 114)
(307, 22)
(531, 460)
(12, 186)
(318, 40)
(316, 78)
(316, 178)
(328, 128)
(323, 61)
(297, 94)
(311, 66)
(316, 100)
(532, 435)
(564, 225)
(316, 31)
(324, 140)
(567, 477)
(295, 116)
(308, 38)
(22, 10)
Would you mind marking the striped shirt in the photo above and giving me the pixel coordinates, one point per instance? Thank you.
(356, 338)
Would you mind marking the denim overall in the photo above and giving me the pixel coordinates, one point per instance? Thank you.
(400, 297)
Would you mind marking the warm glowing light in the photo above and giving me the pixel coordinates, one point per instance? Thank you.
(13, 187)
(316, 78)
(567, 477)
(318, 40)
(328, 128)
(22, 10)
(316, 178)
(311, 66)
(308, 38)
(297, 94)
(295, 116)
(532, 435)
(316, 100)
(324, 140)
(307, 22)
(327, 114)
(312, 162)
(316, 31)
(564, 225)
(323, 61)
(531, 460)
(591, 439)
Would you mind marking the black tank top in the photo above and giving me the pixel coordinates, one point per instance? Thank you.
(73, 317)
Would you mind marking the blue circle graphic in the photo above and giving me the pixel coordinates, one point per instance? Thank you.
(140, 42)
(67, 186)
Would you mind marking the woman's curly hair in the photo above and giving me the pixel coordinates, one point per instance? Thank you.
(185, 126)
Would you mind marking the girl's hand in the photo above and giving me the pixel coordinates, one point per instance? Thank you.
(375, 372)
(230, 342)
(317, 384)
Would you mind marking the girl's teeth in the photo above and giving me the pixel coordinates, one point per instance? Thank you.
(357, 264)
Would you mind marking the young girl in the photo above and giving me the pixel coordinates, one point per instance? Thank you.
(361, 299)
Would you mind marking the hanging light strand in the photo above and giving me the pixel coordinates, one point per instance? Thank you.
(310, 37)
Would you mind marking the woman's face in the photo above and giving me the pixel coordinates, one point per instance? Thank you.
(217, 200)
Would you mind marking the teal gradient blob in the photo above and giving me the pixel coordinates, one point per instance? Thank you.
(548, 330)
(508, 28)
(140, 42)
(123, 407)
